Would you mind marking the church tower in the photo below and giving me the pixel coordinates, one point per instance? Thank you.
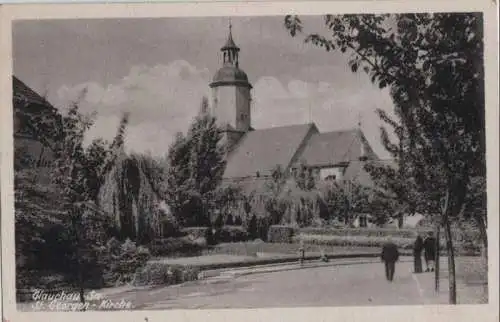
(231, 94)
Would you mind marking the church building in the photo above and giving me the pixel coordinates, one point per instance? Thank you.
(254, 153)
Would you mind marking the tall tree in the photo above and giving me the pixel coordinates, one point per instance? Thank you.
(78, 174)
(196, 163)
(433, 64)
(394, 180)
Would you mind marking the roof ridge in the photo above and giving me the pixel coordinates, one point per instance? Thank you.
(285, 126)
(341, 131)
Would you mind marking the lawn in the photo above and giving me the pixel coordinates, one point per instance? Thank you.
(258, 253)
(469, 270)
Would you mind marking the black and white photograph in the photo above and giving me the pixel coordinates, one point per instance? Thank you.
(250, 161)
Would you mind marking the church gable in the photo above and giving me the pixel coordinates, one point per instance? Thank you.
(260, 151)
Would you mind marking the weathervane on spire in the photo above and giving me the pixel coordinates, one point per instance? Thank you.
(230, 49)
(360, 119)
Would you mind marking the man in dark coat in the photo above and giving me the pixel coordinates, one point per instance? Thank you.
(417, 254)
(389, 256)
(430, 252)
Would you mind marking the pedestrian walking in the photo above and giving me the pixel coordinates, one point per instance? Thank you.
(430, 252)
(389, 256)
(418, 246)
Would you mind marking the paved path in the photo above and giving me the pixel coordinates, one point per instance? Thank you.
(343, 285)
(336, 285)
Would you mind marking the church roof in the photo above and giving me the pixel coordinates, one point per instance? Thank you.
(262, 150)
(334, 148)
(230, 42)
(230, 75)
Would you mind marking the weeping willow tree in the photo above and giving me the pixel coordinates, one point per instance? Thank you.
(303, 207)
(131, 193)
(291, 200)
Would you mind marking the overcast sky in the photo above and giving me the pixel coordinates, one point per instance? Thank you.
(159, 69)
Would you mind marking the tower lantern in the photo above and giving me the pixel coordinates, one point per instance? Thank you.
(230, 50)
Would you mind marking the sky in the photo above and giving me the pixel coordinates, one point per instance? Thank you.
(159, 69)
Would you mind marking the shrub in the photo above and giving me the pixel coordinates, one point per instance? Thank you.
(280, 234)
(252, 228)
(164, 274)
(318, 222)
(170, 227)
(263, 228)
(200, 242)
(180, 246)
(114, 246)
(196, 232)
(219, 221)
(128, 247)
(229, 220)
(231, 234)
(122, 261)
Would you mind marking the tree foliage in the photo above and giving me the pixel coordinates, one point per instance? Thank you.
(345, 200)
(56, 204)
(79, 172)
(433, 66)
(196, 163)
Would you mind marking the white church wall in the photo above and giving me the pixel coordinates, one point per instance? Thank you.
(224, 104)
(243, 108)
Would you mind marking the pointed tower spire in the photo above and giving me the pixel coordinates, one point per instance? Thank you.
(230, 50)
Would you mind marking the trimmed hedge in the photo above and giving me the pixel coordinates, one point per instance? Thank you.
(182, 246)
(163, 274)
(231, 234)
(280, 234)
(353, 241)
(461, 248)
(469, 239)
(368, 232)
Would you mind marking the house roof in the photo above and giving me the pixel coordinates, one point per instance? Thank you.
(35, 118)
(262, 150)
(22, 93)
(333, 148)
